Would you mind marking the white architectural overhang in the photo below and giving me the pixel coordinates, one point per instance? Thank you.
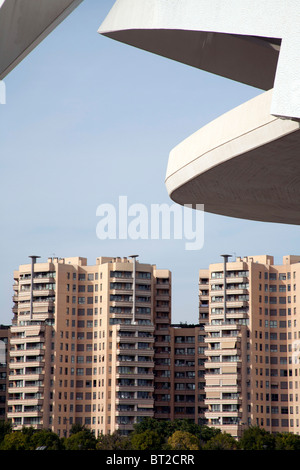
(246, 163)
(24, 24)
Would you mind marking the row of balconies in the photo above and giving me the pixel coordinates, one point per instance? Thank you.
(128, 374)
(230, 278)
(34, 398)
(133, 413)
(135, 363)
(134, 339)
(229, 303)
(38, 277)
(21, 360)
(33, 413)
(223, 414)
(36, 304)
(27, 345)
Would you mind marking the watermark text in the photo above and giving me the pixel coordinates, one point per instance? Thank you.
(157, 222)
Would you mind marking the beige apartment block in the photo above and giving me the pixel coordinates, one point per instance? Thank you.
(253, 337)
(82, 343)
(4, 347)
(179, 373)
(252, 42)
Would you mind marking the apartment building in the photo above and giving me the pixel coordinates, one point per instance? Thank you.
(253, 337)
(179, 373)
(4, 345)
(82, 343)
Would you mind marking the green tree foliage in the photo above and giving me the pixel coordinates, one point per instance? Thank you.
(206, 433)
(147, 440)
(31, 439)
(81, 440)
(167, 428)
(75, 428)
(287, 441)
(150, 434)
(256, 438)
(48, 439)
(113, 441)
(163, 428)
(5, 428)
(221, 441)
(183, 440)
(16, 440)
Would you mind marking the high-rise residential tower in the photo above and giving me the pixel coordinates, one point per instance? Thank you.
(252, 368)
(82, 343)
(4, 349)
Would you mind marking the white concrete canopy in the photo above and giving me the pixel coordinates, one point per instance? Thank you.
(246, 163)
(24, 24)
(236, 39)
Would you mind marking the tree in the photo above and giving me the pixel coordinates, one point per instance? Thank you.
(256, 438)
(81, 440)
(75, 428)
(167, 428)
(5, 428)
(16, 440)
(221, 441)
(183, 440)
(113, 441)
(287, 441)
(163, 428)
(48, 439)
(147, 440)
(185, 425)
(206, 433)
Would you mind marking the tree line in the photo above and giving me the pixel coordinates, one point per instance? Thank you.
(149, 435)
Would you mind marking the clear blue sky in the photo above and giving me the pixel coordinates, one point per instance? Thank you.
(87, 120)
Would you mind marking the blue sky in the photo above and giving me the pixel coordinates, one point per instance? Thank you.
(88, 119)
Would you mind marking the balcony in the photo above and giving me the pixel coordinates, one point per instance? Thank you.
(134, 401)
(134, 413)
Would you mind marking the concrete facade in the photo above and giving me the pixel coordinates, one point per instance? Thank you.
(253, 172)
(24, 24)
(82, 343)
(79, 353)
(4, 371)
(252, 368)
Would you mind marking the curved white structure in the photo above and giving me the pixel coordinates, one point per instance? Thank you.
(244, 164)
(24, 24)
